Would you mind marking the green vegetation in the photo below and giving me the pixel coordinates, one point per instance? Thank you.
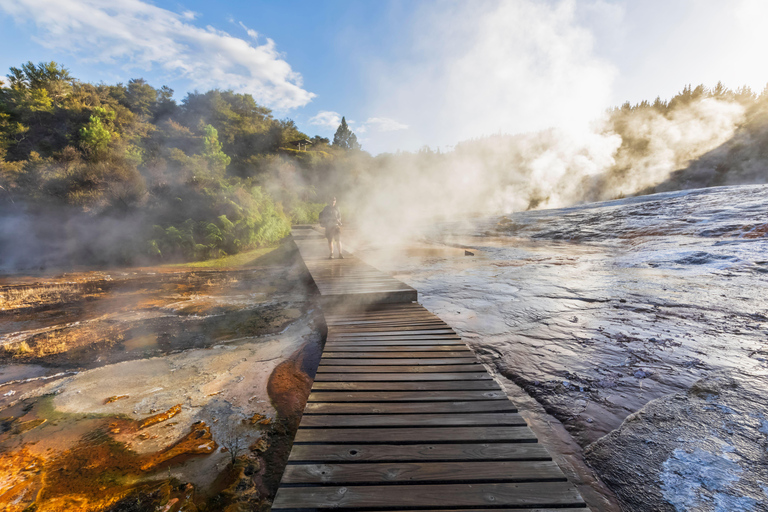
(209, 177)
(105, 174)
(243, 259)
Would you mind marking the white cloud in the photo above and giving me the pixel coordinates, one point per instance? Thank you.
(384, 124)
(252, 33)
(326, 119)
(331, 120)
(144, 36)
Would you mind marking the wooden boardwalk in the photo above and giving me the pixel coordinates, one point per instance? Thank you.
(402, 416)
(347, 282)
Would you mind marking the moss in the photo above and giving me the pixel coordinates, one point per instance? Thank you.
(243, 259)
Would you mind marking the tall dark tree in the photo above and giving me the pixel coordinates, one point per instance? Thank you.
(49, 76)
(344, 138)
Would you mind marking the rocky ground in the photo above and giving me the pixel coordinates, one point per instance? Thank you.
(153, 389)
(639, 325)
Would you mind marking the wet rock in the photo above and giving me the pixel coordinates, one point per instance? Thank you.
(199, 441)
(260, 419)
(696, 451)
(24, 426)
(642, 374)
(163, 416)
(18, 488)
(261, 445)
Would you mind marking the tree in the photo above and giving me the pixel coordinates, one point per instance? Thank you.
(344, 138)
(141, 97)
(49, 76)
(94, 137)
(319, 142)
(217, 159)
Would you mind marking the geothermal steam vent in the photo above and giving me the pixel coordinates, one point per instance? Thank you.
(402, 415)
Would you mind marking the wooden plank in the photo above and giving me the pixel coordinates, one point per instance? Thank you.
(380, 310)
(397, 361)
(392, 377)
(404, 396)
(362, 452)
(409, 407)
(415, 435)
(410, 420)
(546, 494)
(332, 348)
(398, 341)
(332, 300)
(396, 472)
(516, 509)
(392, 332)
(446, 385)
(337, 289)
(397, 320)
(382, 325)
(402, 334)
(457, 368)
(388, 316)
(362, 354)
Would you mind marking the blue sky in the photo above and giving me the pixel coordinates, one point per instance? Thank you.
(405, 73)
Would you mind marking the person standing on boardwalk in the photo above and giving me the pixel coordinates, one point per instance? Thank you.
(330, 219)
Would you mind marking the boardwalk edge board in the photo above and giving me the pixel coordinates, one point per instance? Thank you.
(402, 415)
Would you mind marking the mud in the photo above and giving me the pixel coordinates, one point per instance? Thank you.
(135, 389)
(598, 310)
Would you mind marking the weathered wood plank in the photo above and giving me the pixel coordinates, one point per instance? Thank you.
(401, 369)
(358, 355)
(396, 472)
(409, 407)
(546, 494)
(391, 332)
(332, 300)
(415, 435)
(404, 396)
(392, 377)
(333, 348)
(445, 385)
(398, 340)
(398, 361)
(391, 316)
(410, 420)
(397, 321)
(407, 325)
(516, 509)
(362, 452)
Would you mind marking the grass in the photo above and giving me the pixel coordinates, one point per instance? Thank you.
(254, 258)
(243, 259)
(12, 298)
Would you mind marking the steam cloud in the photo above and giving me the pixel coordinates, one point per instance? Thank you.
(546, 169)
(523, 67)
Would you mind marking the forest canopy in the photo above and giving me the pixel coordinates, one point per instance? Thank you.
(211, 175)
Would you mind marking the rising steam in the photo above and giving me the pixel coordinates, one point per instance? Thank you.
(622, 154)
